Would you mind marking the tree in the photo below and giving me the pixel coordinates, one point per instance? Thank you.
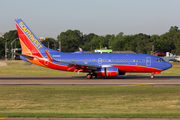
(2, 47)
(89, 37)
(50, 43)
(117, 42)
(107, 40)
(87, 42)
(99, 42)
(70, 40)
(10, 36)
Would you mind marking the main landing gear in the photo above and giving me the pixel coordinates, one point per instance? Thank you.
(91, 75)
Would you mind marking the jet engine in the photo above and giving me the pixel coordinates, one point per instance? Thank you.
(107, 71)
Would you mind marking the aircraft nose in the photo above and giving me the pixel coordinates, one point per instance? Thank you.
(168, 65)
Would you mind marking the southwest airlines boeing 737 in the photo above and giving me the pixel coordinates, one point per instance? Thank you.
(95, 64)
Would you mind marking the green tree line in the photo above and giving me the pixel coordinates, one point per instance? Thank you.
(71, 40)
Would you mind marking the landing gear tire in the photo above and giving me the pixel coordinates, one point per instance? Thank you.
(152, 76)
(94, 75)
(89, 76)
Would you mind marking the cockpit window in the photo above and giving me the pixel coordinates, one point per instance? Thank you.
(159, 60)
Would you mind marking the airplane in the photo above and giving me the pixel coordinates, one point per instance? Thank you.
(95, 64)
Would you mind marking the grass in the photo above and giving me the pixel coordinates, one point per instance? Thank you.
(91, 102)
(22, 68)
(85, 102)
(16, 62)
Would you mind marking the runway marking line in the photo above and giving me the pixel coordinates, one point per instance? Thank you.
(135, 84)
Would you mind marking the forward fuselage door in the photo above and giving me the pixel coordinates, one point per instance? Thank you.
(148, 61)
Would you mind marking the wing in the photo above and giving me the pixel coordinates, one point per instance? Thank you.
(73, 64)
(89, 66)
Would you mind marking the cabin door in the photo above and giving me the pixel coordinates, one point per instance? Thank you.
(148, 61)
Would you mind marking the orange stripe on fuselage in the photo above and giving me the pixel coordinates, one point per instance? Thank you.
(26, 51)
(37, 62)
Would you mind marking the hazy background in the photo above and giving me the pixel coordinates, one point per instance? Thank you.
(48, 18)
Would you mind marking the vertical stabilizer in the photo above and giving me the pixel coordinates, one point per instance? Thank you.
(29, 43)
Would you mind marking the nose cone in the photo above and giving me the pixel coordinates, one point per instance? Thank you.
(168, 65)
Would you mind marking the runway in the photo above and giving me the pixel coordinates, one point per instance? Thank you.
(83, 81)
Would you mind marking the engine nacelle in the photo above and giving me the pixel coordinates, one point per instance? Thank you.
(109, 71)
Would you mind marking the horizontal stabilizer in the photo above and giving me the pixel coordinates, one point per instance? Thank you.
(26, 56)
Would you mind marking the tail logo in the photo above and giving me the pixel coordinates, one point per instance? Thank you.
(29, 35)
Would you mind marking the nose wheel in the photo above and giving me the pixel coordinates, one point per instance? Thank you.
(91, 75)
(152, 76)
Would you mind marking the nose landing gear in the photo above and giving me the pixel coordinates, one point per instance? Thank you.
(153, 73)
(152, 76)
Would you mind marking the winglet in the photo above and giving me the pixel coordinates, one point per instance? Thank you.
(80, 49)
